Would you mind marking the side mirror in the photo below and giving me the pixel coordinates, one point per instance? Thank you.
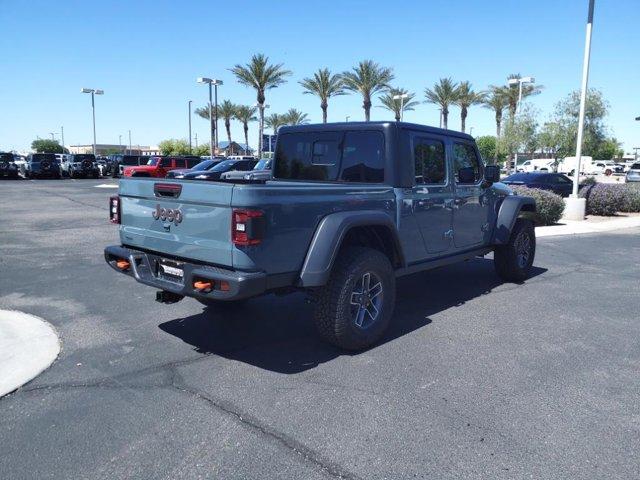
(492, 173)
(466, 175)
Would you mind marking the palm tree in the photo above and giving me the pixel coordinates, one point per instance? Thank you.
(467, 98)
(324, 85)
(227, 110)
(275, 121)
(245, 114)
(444, 94)
(399, 105)
(496, 101)
(368, 78)
(261, 76)
(295, 117)
(512, 92)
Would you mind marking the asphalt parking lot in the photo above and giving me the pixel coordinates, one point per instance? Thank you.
(477, 379)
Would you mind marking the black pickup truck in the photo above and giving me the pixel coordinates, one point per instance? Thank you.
(351, 206)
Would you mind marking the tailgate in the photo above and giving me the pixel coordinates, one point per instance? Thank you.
(194, 223)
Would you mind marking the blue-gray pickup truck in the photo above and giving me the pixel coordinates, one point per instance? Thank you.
(351, 207)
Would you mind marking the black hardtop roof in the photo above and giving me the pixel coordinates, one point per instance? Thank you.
(344, 126)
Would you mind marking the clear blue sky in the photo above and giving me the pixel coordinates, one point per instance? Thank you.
(146, 55)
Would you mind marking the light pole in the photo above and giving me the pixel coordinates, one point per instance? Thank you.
(213, 121)
(471, 131)
(93, 92)
(52, 135)
(129, 142)
(260, 143)
(401, 97)
(190, 102)
(62, 136)
(120, 143)
(519, 82)
(348, 117)
(576, 207)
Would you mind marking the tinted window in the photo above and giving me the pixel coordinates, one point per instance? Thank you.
(464, 156)
(129, 160)
(165, 162)
(352, 157)
(429, 161)
(363, 157)
(307, 156)
(192, 162)
(39, 157)
(561, 179)
(80, 158)
(6, 157)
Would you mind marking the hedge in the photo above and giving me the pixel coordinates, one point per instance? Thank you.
(549, 206)
(609, 198)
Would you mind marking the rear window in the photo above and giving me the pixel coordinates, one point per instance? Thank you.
(635, 166)
(326, 156)
(80, 158)
(39, 157)
(6, 157)
(129, 160)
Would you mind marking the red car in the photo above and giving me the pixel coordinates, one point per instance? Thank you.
(159, 166)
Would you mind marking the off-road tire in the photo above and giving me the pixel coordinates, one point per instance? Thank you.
(333, 316)
(506, 258)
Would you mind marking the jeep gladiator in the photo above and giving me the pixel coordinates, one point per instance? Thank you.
(351, 207)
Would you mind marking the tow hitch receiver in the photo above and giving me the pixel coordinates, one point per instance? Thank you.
(164, 296)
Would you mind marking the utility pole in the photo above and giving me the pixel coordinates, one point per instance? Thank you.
(62, 136)
(190, 149)
(196, 140)
(129, 142)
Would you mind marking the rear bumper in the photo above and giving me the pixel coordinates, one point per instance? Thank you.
(144, 267)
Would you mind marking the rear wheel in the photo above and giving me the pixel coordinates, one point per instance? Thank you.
(355, 307)
(513, 261)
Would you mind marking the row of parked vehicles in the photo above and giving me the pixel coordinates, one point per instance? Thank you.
(588, 166)
(50, 165)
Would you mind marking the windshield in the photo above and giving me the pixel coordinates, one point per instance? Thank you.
(521, 177)
(80, 158)
(224, 166)
(263, 164)
(39, 157)
(204, 165)
(153, 161)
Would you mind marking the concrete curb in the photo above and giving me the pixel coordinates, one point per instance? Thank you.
(28, 346)
(576, 227)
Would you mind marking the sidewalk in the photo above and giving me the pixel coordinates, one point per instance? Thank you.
(28, 345)
(592, 224)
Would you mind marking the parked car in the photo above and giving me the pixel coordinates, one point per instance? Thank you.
(159, 166)
(8, 167)
(633, 175)
(200, 167)
(43, 165)
(555, 182)
(603, 167)
(224, 166)
(568, 164)
(120, 162)
(352, 206)
(261, 171)
(21, 163)
(83, 165)
(538, 164)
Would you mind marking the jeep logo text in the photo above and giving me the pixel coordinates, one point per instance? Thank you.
(167, 214)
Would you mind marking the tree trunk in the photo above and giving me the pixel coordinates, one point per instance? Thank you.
(463, 118)
(398, 115)
(246, 137)
(445, 117)
(227, 125)
(366, 104)
(260, 129)
(324, 106)
(498, 123)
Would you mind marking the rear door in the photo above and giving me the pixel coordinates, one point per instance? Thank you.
(471, 223)
(432, 192)
(194, 222)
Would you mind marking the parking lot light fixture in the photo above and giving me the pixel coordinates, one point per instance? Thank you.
(93, 92)
(212, 82)
(401, 98)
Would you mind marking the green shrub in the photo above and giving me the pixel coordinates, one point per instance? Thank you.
(549, 206)
(631, 201)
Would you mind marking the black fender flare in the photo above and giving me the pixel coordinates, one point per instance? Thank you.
(510, 209)
(328, 237)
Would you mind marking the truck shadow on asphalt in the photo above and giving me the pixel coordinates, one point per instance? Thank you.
(277, 333)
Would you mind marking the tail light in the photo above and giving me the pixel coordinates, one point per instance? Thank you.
(114, 209)
(247, 227)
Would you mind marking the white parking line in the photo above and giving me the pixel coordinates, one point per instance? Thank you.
(105, 185)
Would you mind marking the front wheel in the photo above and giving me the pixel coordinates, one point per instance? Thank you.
(355, 307)
(513, 261)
